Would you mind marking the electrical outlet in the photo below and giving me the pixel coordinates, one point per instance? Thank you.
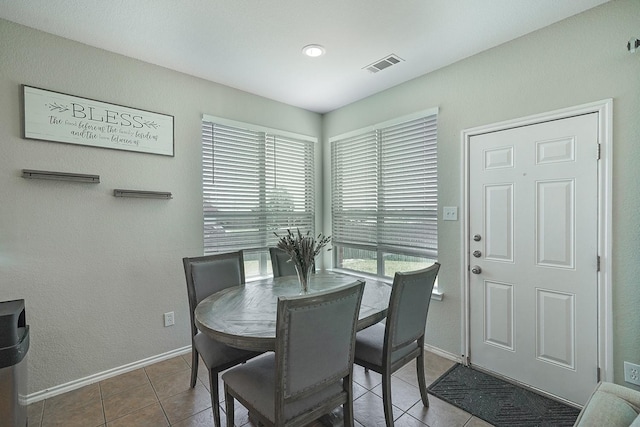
(169, 319)
(450, 213)
(632, 373)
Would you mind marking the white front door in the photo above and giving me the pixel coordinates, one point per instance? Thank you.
(533, 239)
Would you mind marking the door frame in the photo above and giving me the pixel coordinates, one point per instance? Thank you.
(604, 108)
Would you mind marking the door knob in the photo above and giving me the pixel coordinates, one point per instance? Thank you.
(477, 237)
(476, 269)
(477, 254)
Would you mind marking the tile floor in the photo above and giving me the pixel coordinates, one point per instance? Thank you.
(159, 395)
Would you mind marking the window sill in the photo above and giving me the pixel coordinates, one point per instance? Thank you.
(436, 294)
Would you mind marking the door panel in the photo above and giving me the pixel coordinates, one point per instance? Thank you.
(498, 322)
(499, 222)
(555, 338)
(555, 226)
(533, 304)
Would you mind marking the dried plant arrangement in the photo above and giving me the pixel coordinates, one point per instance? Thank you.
(302, 250)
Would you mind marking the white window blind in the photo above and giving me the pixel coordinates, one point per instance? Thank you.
(354, 190)
(384, 188)
(254, 183)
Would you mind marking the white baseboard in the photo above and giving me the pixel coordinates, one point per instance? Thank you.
(443, 353)
(76, 384)
(100, 376)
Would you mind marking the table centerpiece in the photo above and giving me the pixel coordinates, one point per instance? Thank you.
(302, 250)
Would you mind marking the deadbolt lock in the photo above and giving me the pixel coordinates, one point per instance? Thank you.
(477, 237)
(477, 254)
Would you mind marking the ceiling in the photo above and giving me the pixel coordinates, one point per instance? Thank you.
(255, 45)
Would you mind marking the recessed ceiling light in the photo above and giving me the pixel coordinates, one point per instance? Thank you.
(313, 50)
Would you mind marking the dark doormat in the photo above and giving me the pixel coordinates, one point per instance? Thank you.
(499, 402)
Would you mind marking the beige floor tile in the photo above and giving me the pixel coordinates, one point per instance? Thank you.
(34, 413)
(172, 384)
(409, 374)
(439, 414)
(203, 372)
(204, 380)
(188, 403)
(71, 400)
(435, 366)
(477, 422)
(128, 401)
(241, 415)
(358, 390)
(403, 394)
(201, 419)
(407, 420)
(159, 394)
(89, 415)
(149, 416)
(368, 379)
(203, 375)
(187, 358)
(165, 367)
(369, 412)
(123, 382)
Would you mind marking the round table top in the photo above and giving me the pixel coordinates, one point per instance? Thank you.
(244, 316)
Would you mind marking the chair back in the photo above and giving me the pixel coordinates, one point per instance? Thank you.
(408, 307)
(315, 341)
(206, 275)
(280, 263)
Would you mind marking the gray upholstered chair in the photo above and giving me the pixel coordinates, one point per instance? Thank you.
(281, 265)
(385, 348)
(206, 275)
(310, 372)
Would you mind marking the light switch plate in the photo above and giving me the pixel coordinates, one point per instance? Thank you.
(450, 213)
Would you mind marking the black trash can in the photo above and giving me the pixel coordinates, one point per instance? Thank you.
(14, 344)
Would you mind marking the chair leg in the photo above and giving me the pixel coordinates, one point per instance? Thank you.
(347, 415)
(421, 379)
(386, 398)
(215, 397)
(228, 401)
(347, 407)
(195, 357)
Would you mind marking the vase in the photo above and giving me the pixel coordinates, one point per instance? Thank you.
(303, 272)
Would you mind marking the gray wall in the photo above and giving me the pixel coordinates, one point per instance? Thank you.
(576, 61)
(98, 272)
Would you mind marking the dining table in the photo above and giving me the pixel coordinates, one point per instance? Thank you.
(244, 316)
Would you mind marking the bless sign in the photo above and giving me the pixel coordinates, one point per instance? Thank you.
(58, 117)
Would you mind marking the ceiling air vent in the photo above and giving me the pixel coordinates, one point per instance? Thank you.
(383, 63)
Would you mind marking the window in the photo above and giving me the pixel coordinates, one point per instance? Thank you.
(384, 199)
(255, 181)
